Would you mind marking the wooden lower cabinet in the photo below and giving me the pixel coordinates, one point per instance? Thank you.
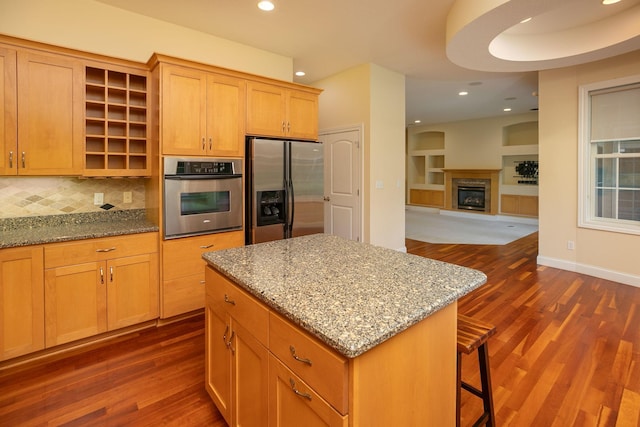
(293, 403)
(237, 359)
(21, 301)
(514, 204)
(99, 285)
(183, 270)
(434, 198)
(408, 380)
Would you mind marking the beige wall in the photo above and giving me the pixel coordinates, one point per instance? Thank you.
(474, 144)
(599, 253)
(94, 27)
(373, 97)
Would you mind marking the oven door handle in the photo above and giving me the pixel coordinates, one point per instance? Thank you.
(200, 177)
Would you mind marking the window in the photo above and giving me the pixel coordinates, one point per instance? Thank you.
(609, 149)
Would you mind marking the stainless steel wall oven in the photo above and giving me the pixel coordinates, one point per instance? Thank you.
(201, 196)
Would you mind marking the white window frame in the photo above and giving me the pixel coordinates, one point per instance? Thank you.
(586, 163)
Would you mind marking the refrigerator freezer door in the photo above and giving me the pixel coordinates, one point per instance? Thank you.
(268, 178)
(306, 175)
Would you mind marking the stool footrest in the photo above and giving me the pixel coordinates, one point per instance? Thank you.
(471, 389)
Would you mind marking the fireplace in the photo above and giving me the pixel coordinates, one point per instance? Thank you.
(479, 190)
(472, 198)
(473, 194)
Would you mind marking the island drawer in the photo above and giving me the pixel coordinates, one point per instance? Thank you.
(224, 296)
(291, 401)
(310, 360)
(92, 250)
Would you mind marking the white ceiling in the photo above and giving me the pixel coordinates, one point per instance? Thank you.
(410, 37)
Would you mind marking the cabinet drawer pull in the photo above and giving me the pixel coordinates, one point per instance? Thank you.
(206, 246)
(296, 391)
(106, 250)
(292, 349)
(229, 301)
(23, 160)
(233, 350)
(204, 145)
(10, 159)
(111, 274)
(101, 276)
(224, 336)
(210, 143)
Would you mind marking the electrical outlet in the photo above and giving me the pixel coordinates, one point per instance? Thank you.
(571, 245)
(127, 197)
(98, 198)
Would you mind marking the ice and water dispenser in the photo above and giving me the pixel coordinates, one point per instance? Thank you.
(271, 207)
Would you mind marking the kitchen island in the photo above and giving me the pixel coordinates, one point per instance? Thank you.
(319, 328)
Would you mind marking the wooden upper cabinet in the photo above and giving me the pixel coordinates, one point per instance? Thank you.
(281, 112)
(8, 112)
(202, 113)
(50, 114)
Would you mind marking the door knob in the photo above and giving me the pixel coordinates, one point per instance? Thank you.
(327, 198)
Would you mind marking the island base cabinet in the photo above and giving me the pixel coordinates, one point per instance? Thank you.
(293, 403)
(237, 361)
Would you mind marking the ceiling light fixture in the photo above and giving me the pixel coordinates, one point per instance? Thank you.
(524, 21)
(506, 110)
(266, 5)
(607, 2)
(463, 93)
(417, 121)
(300, 73)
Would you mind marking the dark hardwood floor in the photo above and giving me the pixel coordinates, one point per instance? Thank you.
(566, 353)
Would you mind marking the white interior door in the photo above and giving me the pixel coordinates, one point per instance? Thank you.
(342, 207)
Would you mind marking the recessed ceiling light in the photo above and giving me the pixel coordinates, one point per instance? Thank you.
(266, 5)
(610, 1)
(417, 121)
(506, 110)
(463, 93)
(300, 73)
(524, 21)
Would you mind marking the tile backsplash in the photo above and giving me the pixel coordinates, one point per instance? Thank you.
(35, 196)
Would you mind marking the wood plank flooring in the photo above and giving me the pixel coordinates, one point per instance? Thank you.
(566, 353)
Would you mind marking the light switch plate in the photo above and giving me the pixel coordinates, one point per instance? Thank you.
(127, 197)
(98, 198)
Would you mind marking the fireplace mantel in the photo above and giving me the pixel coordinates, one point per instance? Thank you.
(490, 174)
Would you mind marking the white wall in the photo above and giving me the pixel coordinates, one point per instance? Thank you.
(374, 97)
(599, 253)
(94, 27)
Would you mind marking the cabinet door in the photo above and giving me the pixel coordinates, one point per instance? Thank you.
(293, 403)
(75, 302)
(50, 115)
(250, 378)
(218, 357)
(226, 101)
(132, 290)
(266, 109)
(183, 113)
(21, 301)
(8, 112)
(183, 270)
(302, 115)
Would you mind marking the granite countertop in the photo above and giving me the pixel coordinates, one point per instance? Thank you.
(61, 228)
(352, 296)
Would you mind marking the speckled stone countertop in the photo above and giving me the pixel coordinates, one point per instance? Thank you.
(60, 228)
(352, 296)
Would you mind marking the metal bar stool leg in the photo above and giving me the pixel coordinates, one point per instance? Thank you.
(485, 379)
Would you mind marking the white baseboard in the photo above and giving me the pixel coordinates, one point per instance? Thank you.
(615, 276)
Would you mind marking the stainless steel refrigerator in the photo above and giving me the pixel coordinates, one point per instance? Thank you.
(284, 189)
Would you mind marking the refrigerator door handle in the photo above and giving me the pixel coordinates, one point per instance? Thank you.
(293, 207)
